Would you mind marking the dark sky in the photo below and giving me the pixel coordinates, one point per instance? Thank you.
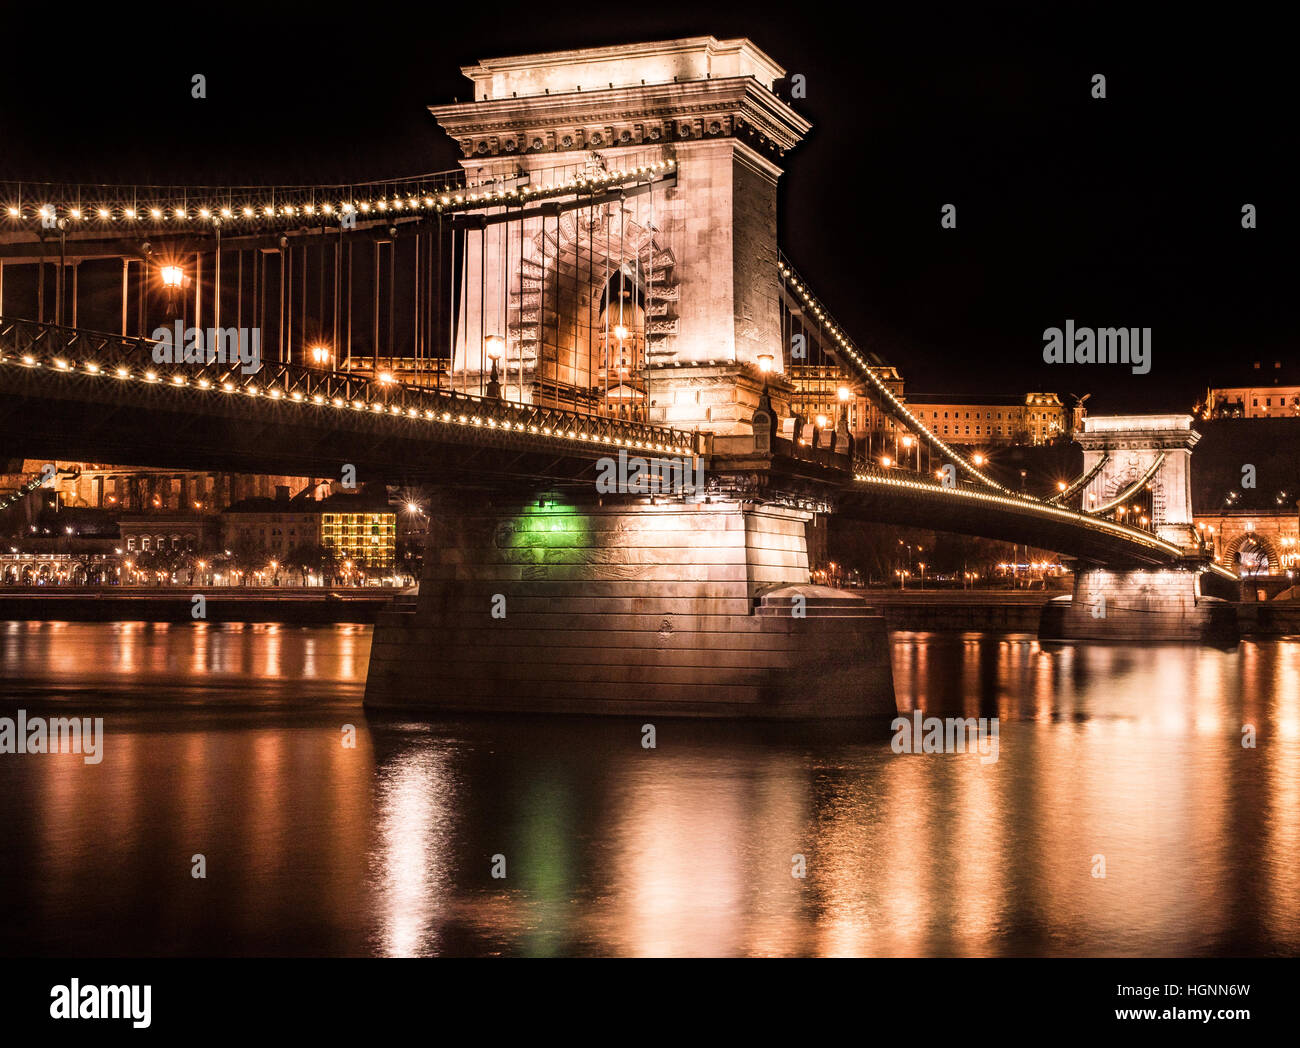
(1122, 212)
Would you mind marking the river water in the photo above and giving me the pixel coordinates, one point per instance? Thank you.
(227, 742)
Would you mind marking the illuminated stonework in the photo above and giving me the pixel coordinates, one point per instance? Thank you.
(1143, 450)
(699, 251)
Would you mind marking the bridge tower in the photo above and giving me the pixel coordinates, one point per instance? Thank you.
(1131, 456)
(658, 303)
(1143, 451)
(698, 258)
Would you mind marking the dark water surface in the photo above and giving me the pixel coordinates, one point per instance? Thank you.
(225, 741)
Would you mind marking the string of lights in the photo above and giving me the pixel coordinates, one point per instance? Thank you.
(85, 206)
(1024, 505)
(866, 368)
(36, 346)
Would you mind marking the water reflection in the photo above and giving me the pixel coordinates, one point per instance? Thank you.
(1131, 754)
(412, 866)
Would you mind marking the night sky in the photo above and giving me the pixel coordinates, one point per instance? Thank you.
(1120, 212)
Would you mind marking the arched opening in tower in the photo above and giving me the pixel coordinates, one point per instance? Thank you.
(621, 336)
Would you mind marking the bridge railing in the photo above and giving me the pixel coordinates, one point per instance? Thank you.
(25, 343)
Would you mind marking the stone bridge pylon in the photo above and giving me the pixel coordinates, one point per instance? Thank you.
(1137, 452)
(1127, 456)
(659, 302)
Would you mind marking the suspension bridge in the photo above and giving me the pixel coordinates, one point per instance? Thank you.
(600, 277)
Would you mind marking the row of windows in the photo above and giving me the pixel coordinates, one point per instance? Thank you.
(357, 518)
(161, 542)
(1033, 416)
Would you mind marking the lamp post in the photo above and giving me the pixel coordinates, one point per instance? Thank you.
(496, 347)
(821, 426)
(908, 441)
(764, 418)
(173, 277)
(842, 434)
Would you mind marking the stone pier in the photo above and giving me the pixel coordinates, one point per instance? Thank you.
(1139, 454)
(1158, 604)
(677, 609)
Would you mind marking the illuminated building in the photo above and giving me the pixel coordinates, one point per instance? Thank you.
(1266, 390)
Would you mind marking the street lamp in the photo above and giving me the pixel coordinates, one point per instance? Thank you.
(496, 348)
(765, 362)
(173, 277)
(320, 355)
(908, 442)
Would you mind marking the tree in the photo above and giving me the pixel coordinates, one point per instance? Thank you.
(248, 556)
(308, 557)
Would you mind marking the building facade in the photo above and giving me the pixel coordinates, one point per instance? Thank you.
(1253, 542)
(1034, 418)
(976, 421)
(143, 489)
(359, 530)
(1268, 389)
